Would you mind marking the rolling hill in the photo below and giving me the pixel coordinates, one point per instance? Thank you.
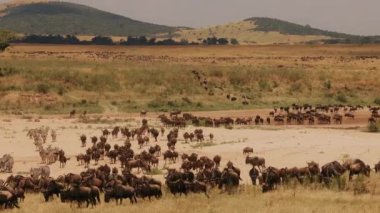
(49, 17)
(262, 31)
(68, 18)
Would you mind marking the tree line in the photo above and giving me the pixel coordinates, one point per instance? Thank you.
(130, 40)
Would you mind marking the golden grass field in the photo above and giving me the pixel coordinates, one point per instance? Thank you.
(55, 79)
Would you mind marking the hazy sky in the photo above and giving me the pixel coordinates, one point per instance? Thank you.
(349, 16)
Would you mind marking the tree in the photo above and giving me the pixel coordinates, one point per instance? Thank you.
(100, 40)
(234, 41)
(152, 41)
(184, 42)
(211, 41)
(3, 46)
(222, 41)
(143, 40)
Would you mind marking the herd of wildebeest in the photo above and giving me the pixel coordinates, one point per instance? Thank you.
(128, 172)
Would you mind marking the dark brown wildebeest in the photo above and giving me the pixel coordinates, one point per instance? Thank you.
(8, 199)
(271, 178)
(256, 161)
(154, 133)
(331, 170)
(254, 175)
(119, 192)
(83, 139)
(86, 159)
(247, 150)
(372, 120)
(211, 137)
(229, 178)
(79, 194)
(268, 120)
(186, 136)
(113, 156)
(377, 167)
(217, 159)
(171, 155)
(193, 157)
(358, 168)
(349, 115)
(72, 113)
(162, 131)
(338, 118)
(62, 160)
(348, 162)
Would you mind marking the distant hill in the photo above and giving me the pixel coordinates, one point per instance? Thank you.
(288, 28)
(68, 18)
(46, 17)
(268, 31)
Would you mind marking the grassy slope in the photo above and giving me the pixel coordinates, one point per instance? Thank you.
(246, 32)
(68, 18)
(288, 28)
(160, 78)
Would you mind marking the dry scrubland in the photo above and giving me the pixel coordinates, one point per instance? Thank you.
(55, 79)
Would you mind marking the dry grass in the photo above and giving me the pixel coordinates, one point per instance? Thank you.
(56, 79)
(293, 198)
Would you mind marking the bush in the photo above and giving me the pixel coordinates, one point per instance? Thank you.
(377, 101)
(372, 127)
(61, 91)
(3, 46)
(327, 84)
(43, 88)
(341, 97)
(360, 187)
(264, 85)
(234, 41)
(296, 87)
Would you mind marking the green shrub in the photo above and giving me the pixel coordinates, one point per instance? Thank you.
(43, 88)
(360, 187)
(3, 46)
(295, 87)
(234, 41)
(327, 84)
(341, 97)
(377, 101)
(264, 85)
(372, 127)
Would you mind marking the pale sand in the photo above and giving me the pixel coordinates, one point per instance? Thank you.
(282, 146)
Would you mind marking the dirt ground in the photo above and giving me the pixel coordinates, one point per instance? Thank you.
(281, 145)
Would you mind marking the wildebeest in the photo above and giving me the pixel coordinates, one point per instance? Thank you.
(271, 178)
(358, 168)
(80, 194)
(119, 192)
(8, 199)
(255, 161)
(247, 150)
(331, 170)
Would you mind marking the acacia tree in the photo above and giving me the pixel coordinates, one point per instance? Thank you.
(234, 41)
(3, 46)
